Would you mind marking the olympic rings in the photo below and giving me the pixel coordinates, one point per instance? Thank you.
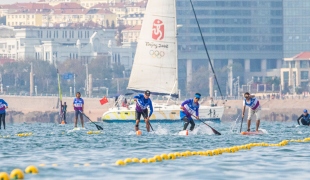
(158, 54)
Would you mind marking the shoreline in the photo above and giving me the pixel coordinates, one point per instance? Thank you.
(44, 108)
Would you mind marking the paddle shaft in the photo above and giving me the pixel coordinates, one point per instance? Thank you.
(98, 127)
(214, 131)
(148, 121)
(241, 124)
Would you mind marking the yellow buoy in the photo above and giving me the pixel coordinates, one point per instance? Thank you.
(183, 154)
(143, 160)
(4, 176)
(247, 147)
(90, 132)
(194, 153)
(135, 160)
(200, 153)
(151, 160)
(220, 151)
(177, 154)
(127, 161)
(171, 156)
(17, 174)
(209, 153)
(188, 153)
(215, 152)
(164, 156)
(31, 170)
(232, 150)
(120, 163)
(158, 158)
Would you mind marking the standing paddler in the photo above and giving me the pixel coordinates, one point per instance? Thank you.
(190, 108)
(78, 105)
(142, 102)
(254, 108)
(3, 106)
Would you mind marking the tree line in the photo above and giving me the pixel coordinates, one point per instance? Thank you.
(15, 76)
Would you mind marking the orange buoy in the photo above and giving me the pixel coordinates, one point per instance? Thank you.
(138, 133)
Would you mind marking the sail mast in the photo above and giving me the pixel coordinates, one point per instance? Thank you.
(203, 40)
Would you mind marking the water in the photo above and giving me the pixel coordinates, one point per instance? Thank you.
(71, 151)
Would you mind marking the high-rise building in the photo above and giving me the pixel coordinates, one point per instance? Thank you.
(244, 34)
(296, 27)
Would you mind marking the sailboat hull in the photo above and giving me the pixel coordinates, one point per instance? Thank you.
(162, 113)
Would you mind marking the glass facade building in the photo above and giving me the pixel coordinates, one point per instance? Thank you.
(244, 32)
(296, 31)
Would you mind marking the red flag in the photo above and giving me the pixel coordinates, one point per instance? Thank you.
(104, 100)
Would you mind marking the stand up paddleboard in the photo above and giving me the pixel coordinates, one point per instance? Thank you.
(252, 133)
(183, 133)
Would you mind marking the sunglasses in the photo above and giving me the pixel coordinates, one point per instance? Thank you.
(147, 95)
(246, 96)
(197, 98)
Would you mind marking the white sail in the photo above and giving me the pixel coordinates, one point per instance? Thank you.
(155, 63)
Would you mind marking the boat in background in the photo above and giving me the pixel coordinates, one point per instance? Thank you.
(155, 67)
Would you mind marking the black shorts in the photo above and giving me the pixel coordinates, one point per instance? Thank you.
(144, 113)
(77, 113)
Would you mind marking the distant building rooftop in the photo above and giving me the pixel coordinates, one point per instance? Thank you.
(301, 56)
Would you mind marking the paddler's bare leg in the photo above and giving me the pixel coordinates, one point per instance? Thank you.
(82, 121)
(257, 124)
(147, 124)
(137, 125)
(76, 118)
(249, 125)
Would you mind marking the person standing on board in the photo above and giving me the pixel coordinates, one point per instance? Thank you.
(142, 102)
(305, 118)
(78, 105)
(190, 108)
(64, 111)
(254, 108)
(3, 106)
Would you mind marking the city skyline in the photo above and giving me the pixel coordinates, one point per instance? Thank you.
(17, 1)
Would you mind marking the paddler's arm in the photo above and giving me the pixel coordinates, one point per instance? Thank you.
(183, 103)
(252, 95)
(243, 111)
(299, 119)
(197, 114)
(151, 109)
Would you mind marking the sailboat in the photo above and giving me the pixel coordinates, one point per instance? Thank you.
(155, 67)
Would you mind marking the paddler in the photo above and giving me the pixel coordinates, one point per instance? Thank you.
(305, 118)
(78, 105)
(254, 108)
(142, 102)
(190, 108)
(3, 106)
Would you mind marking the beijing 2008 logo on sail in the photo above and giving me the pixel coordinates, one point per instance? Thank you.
(158, 30)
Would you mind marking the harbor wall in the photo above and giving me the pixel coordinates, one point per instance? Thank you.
(44, 108)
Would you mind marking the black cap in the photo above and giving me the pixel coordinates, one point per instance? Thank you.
(147, 92)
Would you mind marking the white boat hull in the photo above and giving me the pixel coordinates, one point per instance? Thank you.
(162, 113)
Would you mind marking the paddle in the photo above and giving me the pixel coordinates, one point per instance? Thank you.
(214, 131)
(98, 127)
(149, 122)
(241, 124)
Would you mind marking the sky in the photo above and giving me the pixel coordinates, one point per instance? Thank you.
(15, 1)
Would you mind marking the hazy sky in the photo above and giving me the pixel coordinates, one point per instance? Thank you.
(14, 1)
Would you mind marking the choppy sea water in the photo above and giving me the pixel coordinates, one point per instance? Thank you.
(68, 154)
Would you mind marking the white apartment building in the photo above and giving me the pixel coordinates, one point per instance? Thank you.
(61, 43)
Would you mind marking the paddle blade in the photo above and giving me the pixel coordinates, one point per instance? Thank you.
(215, 131)
(99, 127)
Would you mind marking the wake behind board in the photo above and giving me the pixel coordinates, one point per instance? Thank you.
(252, 132)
